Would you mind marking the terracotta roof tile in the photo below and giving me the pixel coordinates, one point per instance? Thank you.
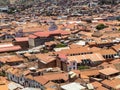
(115, 83)
(57, 76)
(90, 72)
(96, 84)
(41, 80)
(108, 71)
(93, 57)
(107, 51)
(21, 39)
(12, 58)
(10, 48)
(75, 51)
(48, 33)
(45, 58)
(116, 47)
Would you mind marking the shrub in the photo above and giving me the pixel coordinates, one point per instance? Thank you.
(83, 67)
(100, 26)
(60, 45)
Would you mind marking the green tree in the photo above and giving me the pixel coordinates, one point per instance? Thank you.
(100, 26)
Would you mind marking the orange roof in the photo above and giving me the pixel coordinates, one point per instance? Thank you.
(32, 36)
(92, 57)
(14, 71)
(108, 71)
(101, 88)
(4, 87)
(106, 51)
(21, 39)
(96, 84)
(115, 83)
(81, 75)
(42, 34)
(74, 46)
(48, 33)
(35, 28)
(116, 47)
(50, 85)
(12, 58)
(41, 79)
(106, 65)
(62, 56)
(45, 58)
(29, 76)
(86, 73)
(56, 76)
(115, 61)
(90, 72)
(75, 51)
(10, 48)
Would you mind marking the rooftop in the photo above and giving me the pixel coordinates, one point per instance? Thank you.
(21, 39)
(108, 71)
(73, 86)
(10, 48)
(115, 83)
(93, 57)
(11, 58)
(45, 58)
(49, 33)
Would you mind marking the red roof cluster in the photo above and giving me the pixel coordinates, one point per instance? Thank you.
(10, 48)
(21, 39)
(48, 33)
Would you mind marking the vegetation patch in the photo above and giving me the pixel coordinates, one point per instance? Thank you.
(60, 45)
(83, 67)
(101, 26)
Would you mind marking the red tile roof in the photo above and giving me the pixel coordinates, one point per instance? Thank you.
(62, 56)
(93, 57)
(45, 58)
(21, 39)
(48, 33)
(41, 80)
(11, 58)
(75, 51)
(32, 36)
(109, 71)
(115, 83)
(56, 76)
(10, 48)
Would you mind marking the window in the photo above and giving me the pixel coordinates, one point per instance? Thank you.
(73, 67)
(69, 68)
(74, 63)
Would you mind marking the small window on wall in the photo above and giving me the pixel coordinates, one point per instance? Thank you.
(73, 67)
(69, 68)
(74, 63)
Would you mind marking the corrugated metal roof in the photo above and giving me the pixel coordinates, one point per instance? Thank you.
(73, 86)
